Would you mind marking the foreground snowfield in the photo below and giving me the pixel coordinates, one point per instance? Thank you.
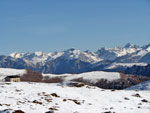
(42, 97)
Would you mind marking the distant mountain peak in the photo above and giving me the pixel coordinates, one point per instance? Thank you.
(17, 54)
(39, 53)
(71, 49)
(87, 51)
(146, 46)
(128, 45)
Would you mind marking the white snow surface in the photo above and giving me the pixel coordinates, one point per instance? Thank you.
(31, 58)
(141, 86)
(10, 72)
(113, 53)
(92, 77)
(20, 96)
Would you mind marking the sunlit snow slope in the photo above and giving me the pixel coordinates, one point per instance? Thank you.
(41, 98)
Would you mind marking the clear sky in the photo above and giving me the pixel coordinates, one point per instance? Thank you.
(56, 25)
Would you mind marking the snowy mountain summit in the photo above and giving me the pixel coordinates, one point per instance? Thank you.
(81, 61)
(72, 53)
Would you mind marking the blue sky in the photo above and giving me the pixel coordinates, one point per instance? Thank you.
(56, 25)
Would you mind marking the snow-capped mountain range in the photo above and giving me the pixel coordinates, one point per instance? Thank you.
(70, 54)
(76, 61)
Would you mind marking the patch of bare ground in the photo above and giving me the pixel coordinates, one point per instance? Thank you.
(108, 112)
(18, 111)
(137, 95)
(144, 100)
(126, 98)
(54, 108)
(52, 80)
(46, 97)
(36, 102)
(78, 102)
(7, 83)
(55, 95)
(4, 104)
(49, 112)
(75, 101)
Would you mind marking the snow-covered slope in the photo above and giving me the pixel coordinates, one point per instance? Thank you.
(33, 58)
(9, 72)
(141, 86)
(92, 77)
(77, 54)
(113, 53)
(62, 99)
(126, 54)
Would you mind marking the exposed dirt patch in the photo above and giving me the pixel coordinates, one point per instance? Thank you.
(137, 95)
(126, 98)
(18, 111)
(144, 100)
(54, 108)
(37, 102)
(55, 95)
